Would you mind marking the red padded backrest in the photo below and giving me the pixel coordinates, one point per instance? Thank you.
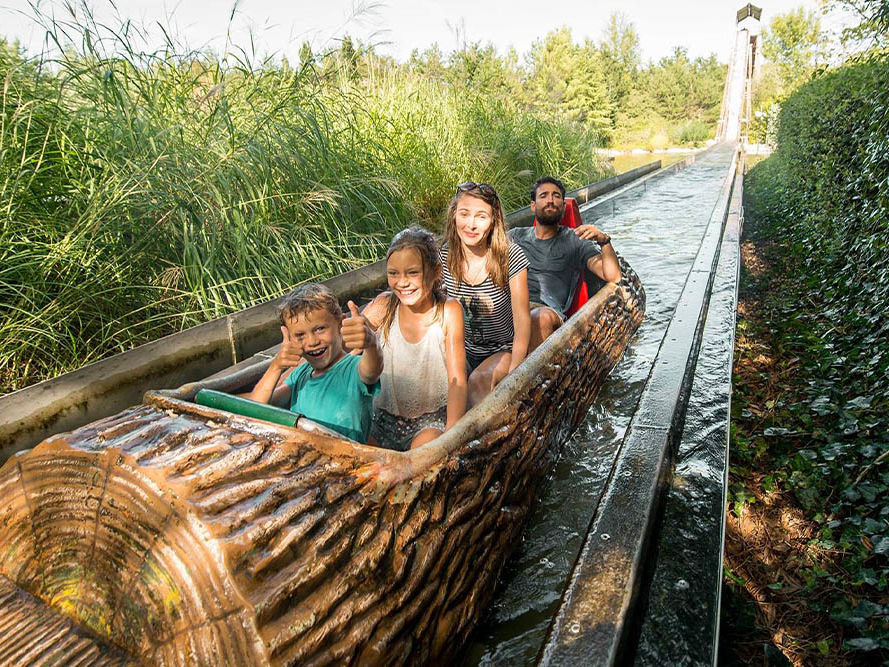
(571, 219)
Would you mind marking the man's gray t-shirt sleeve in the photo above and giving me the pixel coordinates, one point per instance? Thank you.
(584, 250)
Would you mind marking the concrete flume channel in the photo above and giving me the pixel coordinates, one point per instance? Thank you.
(621, 561)
(681, 605)
(600, 620)
(622, 604)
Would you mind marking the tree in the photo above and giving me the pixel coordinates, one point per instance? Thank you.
(349, 58)
(872, 29)
(670, 84)
(588, 99)
(794, 42)
(430, 63)
(793, 45)
(551, 63)
(708, 85)
(680, 89)
(568, 80)
(480, 68)
(619, 54)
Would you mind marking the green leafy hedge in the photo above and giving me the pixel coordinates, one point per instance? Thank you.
(824, 196)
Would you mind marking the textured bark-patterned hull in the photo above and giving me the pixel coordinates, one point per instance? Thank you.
(183, 535)
(34, 634)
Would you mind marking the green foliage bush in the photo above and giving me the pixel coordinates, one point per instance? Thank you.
(692, 132)
(824, 195)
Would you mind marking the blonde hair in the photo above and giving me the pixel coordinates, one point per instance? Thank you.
(306, 298)
(496, 240)
(426, 245)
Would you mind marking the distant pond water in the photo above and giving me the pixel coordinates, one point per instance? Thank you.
(622, 163)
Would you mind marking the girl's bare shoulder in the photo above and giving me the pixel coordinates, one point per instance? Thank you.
(376, 309)
(453, 312)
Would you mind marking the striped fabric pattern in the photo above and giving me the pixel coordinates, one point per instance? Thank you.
(487, 310)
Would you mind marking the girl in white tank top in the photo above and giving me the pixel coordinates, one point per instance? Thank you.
(420, 331)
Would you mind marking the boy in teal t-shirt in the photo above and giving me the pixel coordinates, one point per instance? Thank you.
(310, 396)
(334, 388)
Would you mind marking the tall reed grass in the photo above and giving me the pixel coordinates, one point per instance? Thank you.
(143, 193)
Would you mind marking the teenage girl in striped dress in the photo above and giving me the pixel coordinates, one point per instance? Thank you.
(488, 275)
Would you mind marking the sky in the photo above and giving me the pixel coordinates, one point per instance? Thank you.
(396, 27)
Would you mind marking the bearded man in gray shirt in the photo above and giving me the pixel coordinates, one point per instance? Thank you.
(557, 257)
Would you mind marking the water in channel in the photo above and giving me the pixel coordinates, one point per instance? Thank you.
(680, 618)
(658, 229)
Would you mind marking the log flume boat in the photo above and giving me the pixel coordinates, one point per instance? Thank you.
(173, 533)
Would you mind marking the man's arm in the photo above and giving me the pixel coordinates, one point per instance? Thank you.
(604, 264)
(357, 335)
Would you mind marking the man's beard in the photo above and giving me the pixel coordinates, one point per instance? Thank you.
(550, 215)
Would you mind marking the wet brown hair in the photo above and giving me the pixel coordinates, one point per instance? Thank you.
(426, 245)
(497, 242)
(309, 297)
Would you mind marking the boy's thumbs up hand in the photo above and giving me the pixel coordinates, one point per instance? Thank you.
(291, 351)
(357, 335)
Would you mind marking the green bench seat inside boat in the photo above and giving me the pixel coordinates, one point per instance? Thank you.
(245, 407)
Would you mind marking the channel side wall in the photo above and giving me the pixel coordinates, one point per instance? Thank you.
(104, 387)
(680, 622)
(596, 617)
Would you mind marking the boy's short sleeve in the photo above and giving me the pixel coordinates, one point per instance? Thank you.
(368, 389)
(296, 379)
(293, 378)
